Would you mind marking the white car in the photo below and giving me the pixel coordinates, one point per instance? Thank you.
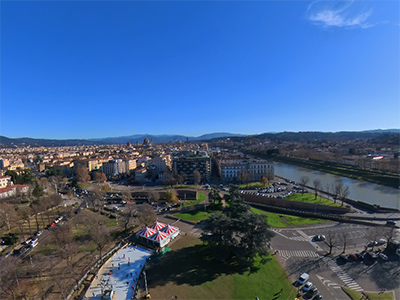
(307, 286)
(382, 241)
(383, 256)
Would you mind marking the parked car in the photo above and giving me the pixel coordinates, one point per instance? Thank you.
(303, 278)
(307, 286)
(319, 238)
(372, 254)
(39, 233)
(390, 223)
(383, 256)
(318, 297)
(360, 255)
(372, 243)
(313, 290)
(343, 257)
(353, 256)
(382, 241)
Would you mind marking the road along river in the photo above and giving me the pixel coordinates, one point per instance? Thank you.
(359, 190)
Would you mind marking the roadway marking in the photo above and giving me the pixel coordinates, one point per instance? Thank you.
(328, 283)
(342, 275)
(286, 254)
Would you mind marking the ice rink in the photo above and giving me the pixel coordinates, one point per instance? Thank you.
(119, 273)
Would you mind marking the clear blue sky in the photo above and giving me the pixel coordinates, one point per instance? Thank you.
(96, 69)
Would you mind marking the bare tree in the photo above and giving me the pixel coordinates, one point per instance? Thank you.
(344, 193)
(146, 214)
(388, 234)
(8, 215)
(303, 182)
(331, 241)
(25, 213)
(337, 189)
(153, 196)
(129, 212)
(96, 226)
(373, 234)
(64, 239)
(317, 187)
(82, 174)
(9, 282)
(344, 237)
(37, 208)
(244, 175)
(197, 177)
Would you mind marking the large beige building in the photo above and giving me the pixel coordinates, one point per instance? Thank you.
(234, 170)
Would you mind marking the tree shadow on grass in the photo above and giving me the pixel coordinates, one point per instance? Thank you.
(191, 265)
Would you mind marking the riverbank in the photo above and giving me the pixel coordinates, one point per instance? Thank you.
(373, 176)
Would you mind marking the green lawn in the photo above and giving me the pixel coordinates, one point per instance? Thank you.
(89, 247)
(275, 220)
(194, 215)
(111, 222)
(272, 218)
(188, 273)
(354, 295)
(310, 198)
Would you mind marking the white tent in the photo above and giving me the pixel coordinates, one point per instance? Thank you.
(160, 237)
(157, 226)
(146, 233)
(172, 231)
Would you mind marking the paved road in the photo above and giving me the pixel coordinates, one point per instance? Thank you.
(299, 254)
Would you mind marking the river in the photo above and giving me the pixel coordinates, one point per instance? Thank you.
(359, 190)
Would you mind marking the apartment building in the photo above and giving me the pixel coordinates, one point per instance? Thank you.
(161, 163)
(114, 167)
(188, 164)
(5, 181)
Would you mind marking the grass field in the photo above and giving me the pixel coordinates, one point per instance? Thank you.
(354, 295)
(275, 220)
(195, 215)
(310, 198)
(200, 198)
(186, 273)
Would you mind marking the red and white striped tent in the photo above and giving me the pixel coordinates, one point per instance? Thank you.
(160, 237)
(171, 230)
(147, 232)
(157, 226)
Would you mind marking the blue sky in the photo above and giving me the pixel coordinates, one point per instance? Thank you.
(96, 69)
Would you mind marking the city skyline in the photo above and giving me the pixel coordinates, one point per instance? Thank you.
(105, 69)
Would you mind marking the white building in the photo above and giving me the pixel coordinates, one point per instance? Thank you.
(114, 167)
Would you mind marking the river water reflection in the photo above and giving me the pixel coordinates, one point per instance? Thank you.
(359, 190)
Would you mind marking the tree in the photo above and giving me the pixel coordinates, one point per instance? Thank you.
(129, 212)
(82, 174)
(337, 189)
(171, 196)
(197, 177)
(99, 177)
(331, 241)
(303, 182)
(8, 215)
(153, 196)
(344, 193)
(264, 181)
(64, 239)
(243, 175)
(344, 237)
(37, 208)
(237, 234)
(9, 282)
(37, 191)
(214, 193)
(146, 214)
(317, 187)
(96, 226)
(70, 194)
(25, 213)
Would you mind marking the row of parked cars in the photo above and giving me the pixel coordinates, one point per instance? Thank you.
(305, 285)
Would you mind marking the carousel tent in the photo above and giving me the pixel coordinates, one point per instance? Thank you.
(146, 233)
(157, 226)
(172, 231)
(160, 237)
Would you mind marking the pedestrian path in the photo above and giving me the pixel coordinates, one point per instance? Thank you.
(342, 275)
(286, 254)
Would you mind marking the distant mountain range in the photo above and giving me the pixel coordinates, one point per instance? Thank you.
(164, 138)
(6, 142)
